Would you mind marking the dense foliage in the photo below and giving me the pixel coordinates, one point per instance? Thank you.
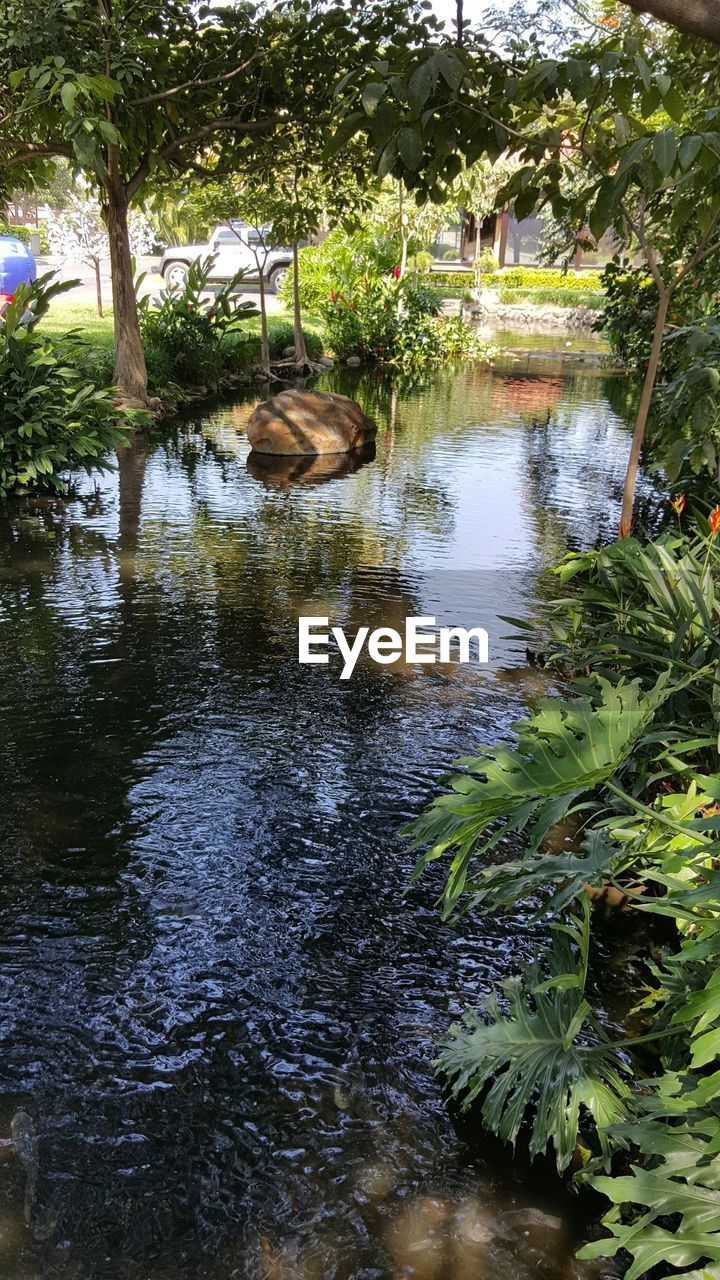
(52, 418)
(629, 757)
(548, 278)
(354, 284)
(192, 337)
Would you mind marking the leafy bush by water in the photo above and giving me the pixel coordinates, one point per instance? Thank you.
(630, 755)
(191, 335)
(53, 419)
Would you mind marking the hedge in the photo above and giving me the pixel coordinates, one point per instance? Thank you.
(25, 233)
(546, 278)
(523, 278)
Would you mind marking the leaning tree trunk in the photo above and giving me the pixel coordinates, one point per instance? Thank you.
(301, 355)
(642, 415)
(130, 370)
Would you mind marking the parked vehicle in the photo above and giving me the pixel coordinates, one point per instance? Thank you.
(232, 244)
(17, 266)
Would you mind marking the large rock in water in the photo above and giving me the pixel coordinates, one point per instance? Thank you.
(309, 422)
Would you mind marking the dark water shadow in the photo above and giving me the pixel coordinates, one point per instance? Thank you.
(278, 471)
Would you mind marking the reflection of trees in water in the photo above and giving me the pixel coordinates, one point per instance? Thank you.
(576, 453)
(158, 645)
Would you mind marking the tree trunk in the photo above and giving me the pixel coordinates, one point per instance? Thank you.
(694, 17)
(459, 23)
(130, 370)
(301, 355)
(264, 340)
(98, 286)
(642, 415)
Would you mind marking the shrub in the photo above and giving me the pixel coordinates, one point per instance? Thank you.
(336, 264)
(548, 278)
(186, 332)
(395, 321)
(53, 419)
(452, 279)
(25, 234)
(630, 754)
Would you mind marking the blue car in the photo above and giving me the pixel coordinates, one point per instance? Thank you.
(17, 266)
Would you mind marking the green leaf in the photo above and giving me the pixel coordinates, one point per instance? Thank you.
(601, 215)
(688, 150)
(527, 1065)
(674, 104)
(371, 95)
(68, 94)
(665, 150)
(388, 156)
(108, 131)
(410, 148)
(451, 69)
(564, 749)
(660, 1193)
(422, 81)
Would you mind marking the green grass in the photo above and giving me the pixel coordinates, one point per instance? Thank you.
(97, 334)
(555, 297)
(63, 316)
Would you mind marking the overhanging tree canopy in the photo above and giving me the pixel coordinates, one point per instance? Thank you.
(134, 91)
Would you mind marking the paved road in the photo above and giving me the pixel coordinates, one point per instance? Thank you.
(153, 282)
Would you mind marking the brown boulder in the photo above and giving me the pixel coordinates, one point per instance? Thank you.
(311, 422)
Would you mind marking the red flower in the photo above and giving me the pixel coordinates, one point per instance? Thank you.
(332, 295)
(678, 504)
(714, 520)
(396, 272)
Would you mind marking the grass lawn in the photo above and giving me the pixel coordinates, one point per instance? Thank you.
(80, 315)
(97, 333)
(555, 297)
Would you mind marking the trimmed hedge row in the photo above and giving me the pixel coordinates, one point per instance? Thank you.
(547, 278)
(524, 278)
(25, 233)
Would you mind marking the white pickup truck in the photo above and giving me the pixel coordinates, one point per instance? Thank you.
(232, 245)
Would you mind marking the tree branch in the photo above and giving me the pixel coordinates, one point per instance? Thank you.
(229, 125)
(197, 84)
(693, 17)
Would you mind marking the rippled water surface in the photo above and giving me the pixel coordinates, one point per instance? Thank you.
(216, 1003)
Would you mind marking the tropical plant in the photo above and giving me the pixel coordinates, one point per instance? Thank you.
(53, 420)
(629, 756)
(188, 331)
(544, 1060)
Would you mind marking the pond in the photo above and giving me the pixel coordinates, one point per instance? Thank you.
(218, 1004)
